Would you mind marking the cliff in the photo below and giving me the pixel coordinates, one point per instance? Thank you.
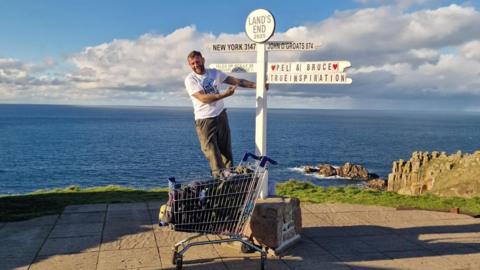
(437, 173)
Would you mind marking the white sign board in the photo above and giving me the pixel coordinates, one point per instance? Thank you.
(309, 67)
(288, 67)
(260, 25)
(235, 67)
(308, 78)
(270, 46)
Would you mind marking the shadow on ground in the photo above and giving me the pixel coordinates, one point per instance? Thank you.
(120, 236)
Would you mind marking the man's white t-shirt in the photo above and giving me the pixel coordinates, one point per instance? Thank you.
(209, 83)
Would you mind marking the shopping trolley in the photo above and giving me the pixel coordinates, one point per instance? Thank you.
(221, 206)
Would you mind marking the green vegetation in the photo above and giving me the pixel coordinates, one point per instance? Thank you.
(309, 192)
(48, 202)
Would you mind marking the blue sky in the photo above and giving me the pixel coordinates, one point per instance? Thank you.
(33, 30)
(103, 52)
(36, 29)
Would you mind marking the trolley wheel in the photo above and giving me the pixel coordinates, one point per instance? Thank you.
(262, 262)
(179, 263)
(246, 249)
(174, 257)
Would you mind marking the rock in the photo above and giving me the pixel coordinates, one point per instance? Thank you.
(326, 170)
(354, 171)
(437, 173)
(310, 169)
(377, 184)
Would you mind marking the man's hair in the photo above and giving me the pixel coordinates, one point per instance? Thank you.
(193, 54)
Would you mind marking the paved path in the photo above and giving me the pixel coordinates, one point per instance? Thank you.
(335, 236)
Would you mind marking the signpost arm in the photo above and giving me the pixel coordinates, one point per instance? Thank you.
(261, 112)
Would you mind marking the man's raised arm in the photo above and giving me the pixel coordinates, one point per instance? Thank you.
(240, 82)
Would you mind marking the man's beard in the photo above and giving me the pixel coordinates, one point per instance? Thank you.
(200, 69)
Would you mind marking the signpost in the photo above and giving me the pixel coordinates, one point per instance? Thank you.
(259, 27)
(270, 46)
(290, 67)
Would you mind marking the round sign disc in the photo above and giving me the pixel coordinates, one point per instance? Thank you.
(260, 25)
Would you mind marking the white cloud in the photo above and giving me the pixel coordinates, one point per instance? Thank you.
(471, 50)
(397, 55)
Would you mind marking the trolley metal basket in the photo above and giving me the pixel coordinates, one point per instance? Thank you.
(220, 206)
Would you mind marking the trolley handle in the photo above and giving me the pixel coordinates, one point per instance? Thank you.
(248, 154)
(265, 159)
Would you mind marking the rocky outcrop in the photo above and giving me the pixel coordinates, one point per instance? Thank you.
(326, 170)
(354, 171)
(437, 173)
(310, 169)
(348, 170)
(377, 184)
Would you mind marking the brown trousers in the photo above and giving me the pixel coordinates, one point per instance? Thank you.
(215, 140)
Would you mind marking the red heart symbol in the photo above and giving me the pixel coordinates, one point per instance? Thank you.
(273, 67)
(335, 66)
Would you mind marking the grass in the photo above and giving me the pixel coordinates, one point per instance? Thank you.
(48, 202)
(308, 192)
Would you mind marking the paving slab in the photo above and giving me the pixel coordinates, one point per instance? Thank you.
(129, 258)
(15, 263)
(128, 215)
(126, 227)
(81, 218)
(129, 241)
(167, 238)
(385, 243)
(155, 205)
(420, 260)
(343, 245)
(76, 230)
(438, 241)
(342, 219)
(85, 208)
(67, 245)
(254, 263)
(313, 262)
(127, 206)
(80, 261)
(335, 236)
(154, 216)
(19, 245)
(38, 222)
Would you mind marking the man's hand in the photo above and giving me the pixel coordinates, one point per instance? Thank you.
(230, 90)
(267, 86)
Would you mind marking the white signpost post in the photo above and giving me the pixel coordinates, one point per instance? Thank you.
(259, 27)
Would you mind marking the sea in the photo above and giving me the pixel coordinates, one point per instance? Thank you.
(52, 146)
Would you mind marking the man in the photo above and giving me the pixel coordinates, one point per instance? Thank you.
(211, 121)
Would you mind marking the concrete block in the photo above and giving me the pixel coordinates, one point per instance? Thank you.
(275, 223)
